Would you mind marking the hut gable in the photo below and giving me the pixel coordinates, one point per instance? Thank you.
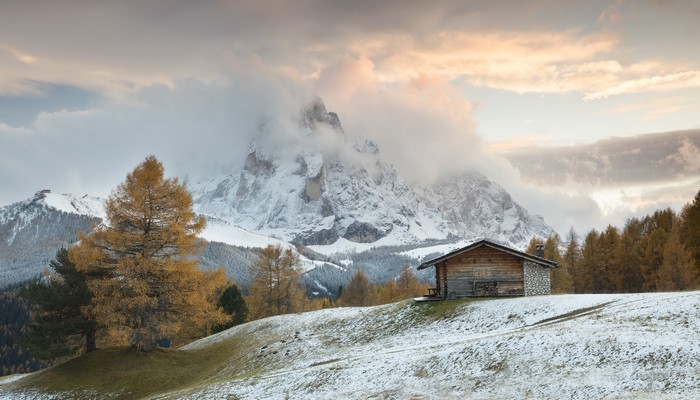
(488, 269)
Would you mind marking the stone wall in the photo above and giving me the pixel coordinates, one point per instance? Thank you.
(536, 279)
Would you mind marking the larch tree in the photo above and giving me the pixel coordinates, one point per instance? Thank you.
(588, 264)
(359, 292)
(560, 277)
(691, 223)
(677, 271)
(409, 285)
(276, 289)
(628, 276)
(604, 276)
(141, 265)
(571, 258)
(652, 247)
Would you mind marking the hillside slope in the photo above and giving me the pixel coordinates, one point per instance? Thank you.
(573, 346)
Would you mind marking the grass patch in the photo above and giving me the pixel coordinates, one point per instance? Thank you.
(436, 310)
(121, 373)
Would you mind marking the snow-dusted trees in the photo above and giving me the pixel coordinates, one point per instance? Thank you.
(141, 266)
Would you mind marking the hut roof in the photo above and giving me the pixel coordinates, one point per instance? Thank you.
(485, 242)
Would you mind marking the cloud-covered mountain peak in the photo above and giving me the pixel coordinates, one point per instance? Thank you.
(327, 187)
(316, 113)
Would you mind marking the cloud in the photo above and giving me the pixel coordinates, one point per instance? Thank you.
(423, 126)
(190, 82)
(667, 82)
(613, 162)
(193, 127)
(624, 177)
(506, 46)
(657, 107)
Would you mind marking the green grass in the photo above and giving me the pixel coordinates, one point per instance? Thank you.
(121, 373)
(435, 310)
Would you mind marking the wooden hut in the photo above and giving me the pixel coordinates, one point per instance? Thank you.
(488, 269)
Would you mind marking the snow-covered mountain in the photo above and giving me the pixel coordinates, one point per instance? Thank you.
(308, 185)
(315, 194)
(31, 231)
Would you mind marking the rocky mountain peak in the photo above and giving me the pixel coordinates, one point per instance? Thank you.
(316, 113)
(313, 197)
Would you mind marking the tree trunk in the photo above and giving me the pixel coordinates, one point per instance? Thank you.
(90, 340)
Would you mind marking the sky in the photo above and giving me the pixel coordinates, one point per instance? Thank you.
(585, 111)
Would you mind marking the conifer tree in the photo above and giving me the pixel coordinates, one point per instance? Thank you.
(677, 271)
(359, 292)
(588, 264)
(389, 292)
(652, 248)
(276, 289)
(409, 285)
(627, 254)
(603, 278)
(560, 277)
(59, 328)
(691, 223)
(233, 304)
(571, 259)
(142, 267)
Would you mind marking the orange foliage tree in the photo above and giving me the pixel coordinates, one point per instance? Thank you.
(141, 266)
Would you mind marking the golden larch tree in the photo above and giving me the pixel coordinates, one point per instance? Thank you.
(141, 265)
(677, 270)
(275, 289)
(359, 292)
(409, 285)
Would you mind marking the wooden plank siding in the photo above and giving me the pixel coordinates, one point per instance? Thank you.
(483, 271)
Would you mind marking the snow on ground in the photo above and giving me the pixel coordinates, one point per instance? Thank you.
(572, 346)
(341, 246)
(223, 232)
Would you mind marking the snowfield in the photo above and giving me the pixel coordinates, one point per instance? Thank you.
(573, 346)
(637, 346)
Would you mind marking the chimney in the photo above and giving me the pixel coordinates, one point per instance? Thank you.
(539, 250)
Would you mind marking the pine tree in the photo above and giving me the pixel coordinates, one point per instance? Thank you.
(142, 266)
(59, 327)
(233, 304)
(276, 289)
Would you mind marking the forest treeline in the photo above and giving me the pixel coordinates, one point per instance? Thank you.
(658, 252)
(14, 318)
